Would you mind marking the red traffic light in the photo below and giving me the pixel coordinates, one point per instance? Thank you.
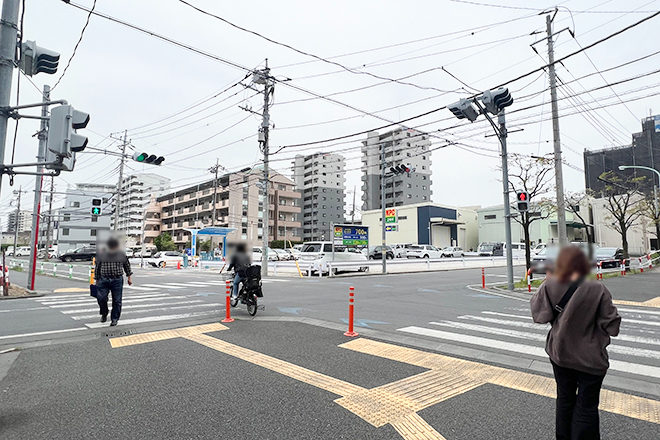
(523, 196)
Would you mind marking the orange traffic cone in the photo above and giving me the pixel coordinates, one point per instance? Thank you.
(178, 265)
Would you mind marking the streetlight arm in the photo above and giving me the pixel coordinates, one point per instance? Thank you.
(625, 167)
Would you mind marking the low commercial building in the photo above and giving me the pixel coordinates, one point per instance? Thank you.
(425, 223)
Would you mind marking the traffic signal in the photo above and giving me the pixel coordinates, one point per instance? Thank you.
(496, 100)
(148, 158)
(63, 141)
(401, 169)
(523, 201)
(464, 109)
(96, 206)
(35, 59)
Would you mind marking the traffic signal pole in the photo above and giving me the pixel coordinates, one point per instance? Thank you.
(38, 184)
(383, 252)
(121, 177)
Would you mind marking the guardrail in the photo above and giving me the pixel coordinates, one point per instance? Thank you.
(397, 265)
(60, 270)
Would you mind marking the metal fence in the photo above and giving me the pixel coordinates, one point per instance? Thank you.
(60, 270)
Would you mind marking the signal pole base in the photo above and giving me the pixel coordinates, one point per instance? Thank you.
(349, 334)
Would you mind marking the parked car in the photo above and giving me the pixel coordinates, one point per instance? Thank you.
(166, 258)
(22, 251)
(257, 254)
(318, 256)
(538, 248)
(401, 250)
(377, 253)
(423, 251)
(129, 252)
(544, 261)
(609, 257)
(452, 251)
(52, 253)
(295, 253)
(491, 249)
(80, 254)
(283, 255)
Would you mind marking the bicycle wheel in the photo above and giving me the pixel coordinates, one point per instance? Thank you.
(252, 305)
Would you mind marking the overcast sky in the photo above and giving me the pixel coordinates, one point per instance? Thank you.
(127, 80)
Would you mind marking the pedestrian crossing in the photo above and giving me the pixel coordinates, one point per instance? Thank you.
(636, 350)
(144, 303)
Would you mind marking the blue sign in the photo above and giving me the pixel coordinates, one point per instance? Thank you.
(351, 235)
(656, 121)
(188, 251)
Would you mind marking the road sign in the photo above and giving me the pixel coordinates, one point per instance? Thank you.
(390, 228)
(348, 235)
(390, 215)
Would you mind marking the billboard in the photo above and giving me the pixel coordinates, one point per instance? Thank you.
(390, 215)
(351, 235)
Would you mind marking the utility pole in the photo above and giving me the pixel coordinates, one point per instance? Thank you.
(383, 252)
(559, 177)
(50, 216)
(38, 183)
(353, 210)
(263, 77)
(8, 40)
(501, 119)
(121, 177)
(18, 213)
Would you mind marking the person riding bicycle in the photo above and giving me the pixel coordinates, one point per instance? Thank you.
(240, 261)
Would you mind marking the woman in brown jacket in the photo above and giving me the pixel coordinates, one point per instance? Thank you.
(576, 342)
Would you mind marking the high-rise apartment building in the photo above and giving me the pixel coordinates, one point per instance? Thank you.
(321, 179)
(136, 193)
(21, 220)
(239, 203)
(402, 146)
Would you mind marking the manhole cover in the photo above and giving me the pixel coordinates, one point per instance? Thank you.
(118, 333)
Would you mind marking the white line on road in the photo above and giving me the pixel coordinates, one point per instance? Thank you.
(90, 299)
(529, 325)
(131, 306)
(24, 335)
(157, 298)
(158, 318)
(24, 310)
(146, 289)
(627, 367)
(162, 286)
(155, 309)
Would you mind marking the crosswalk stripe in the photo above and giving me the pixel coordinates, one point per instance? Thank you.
(529, 325)
(155, 298)
(627, 367)
(155, 309)
(158, 318)
(89, 298)
(146, 289)
(131, 306)
(614, 348)
(638, 311)
(162, 286)
(179, 284)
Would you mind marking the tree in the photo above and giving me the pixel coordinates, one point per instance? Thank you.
(574, 202)
(623, 202)
(164, 242)
(534, 176)
(205, 245)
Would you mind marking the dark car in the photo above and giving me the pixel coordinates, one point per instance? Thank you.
(544, 261)
(609, 257)
(80, 254)
(377, 253)
(491, 249)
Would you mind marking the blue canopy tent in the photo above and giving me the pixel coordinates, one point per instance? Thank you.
(211, 230)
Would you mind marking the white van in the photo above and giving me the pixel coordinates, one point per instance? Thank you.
(517, 249)
(318, 256)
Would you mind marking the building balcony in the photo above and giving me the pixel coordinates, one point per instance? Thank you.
(288, 224)
(289, 208)
(288, 194)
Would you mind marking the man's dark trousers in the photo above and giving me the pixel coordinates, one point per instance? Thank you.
(577, 404)
(105, 286)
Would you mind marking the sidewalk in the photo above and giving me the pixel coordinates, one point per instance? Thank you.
(282, 380)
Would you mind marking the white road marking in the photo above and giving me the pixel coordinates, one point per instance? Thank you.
(24, 335)
(146, 289)
(131, 312)
(24, 310)
(529, 325)
(156, 298)
(90, 299)
(162, 286)
(158, 318)
(627, 367)
(131, 306)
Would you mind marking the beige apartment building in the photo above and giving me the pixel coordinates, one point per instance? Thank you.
(239, 204)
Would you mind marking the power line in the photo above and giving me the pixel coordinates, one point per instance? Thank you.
(75, 48)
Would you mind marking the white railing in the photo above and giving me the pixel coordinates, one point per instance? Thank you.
(60, 270)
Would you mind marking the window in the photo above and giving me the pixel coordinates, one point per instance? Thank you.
(423, 167)
(423, 197)
(423, 186)
(403, 217)
(408, 185)
(490, 217)
(74, 204)
(423, 177)
(281, 187)
(95, 218)
(67, 217)
(92, 232)
(423, 157)
(65, 231)
(409, 196)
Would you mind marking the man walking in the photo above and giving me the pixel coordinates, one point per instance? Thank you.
(109, 269)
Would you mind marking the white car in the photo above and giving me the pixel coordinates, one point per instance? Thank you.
(538, 248)
(424, 251)
(452, 251)
(257, 254)
(22, 251)
(166, 259)
(318, 256)
(400, 250)
(129, 252)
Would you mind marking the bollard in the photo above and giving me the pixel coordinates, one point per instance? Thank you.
(41, 270)
(599, 271)
(483, 278)
(623, 267)
(529, 280)
(641, 268)
(70, 271)
(228, 317)
(648, 257)
(351, 294)
(54, 269)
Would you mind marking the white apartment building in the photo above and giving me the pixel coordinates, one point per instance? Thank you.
(21, 220)
(76, 225)
(136, 193)
(402, 146)
(321, 179)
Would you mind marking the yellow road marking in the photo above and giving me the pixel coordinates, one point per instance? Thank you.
(71, 289)
(397, 403)
(653, 302)
(611, 401)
